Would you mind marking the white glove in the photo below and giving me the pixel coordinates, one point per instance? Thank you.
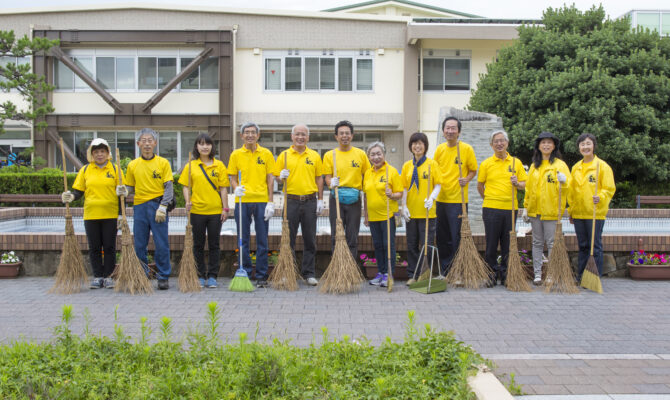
(67, 197)
(405, 213)
(428, 203)
(524, 215)
(122, 190)
(319, 207)
(334, 182)
(561, 177)
(161, 213)
(269, 211)
(239, 191)
(284, 174)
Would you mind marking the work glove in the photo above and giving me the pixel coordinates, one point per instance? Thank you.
(319, 207)
(334, 182)
(122, 190)
(161, 214)
(561, 177)
(284, 174)
(269, 211)
(67, 197)
(524, 215)
(239, 191)
(405, 213)
(428, 203)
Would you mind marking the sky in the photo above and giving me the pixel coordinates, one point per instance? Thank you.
(526, 9)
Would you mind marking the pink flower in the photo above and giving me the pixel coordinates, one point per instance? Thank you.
(363, 256)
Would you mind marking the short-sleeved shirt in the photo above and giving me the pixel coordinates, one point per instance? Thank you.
(304, 168)
(255, 167)
(99, 187)
(447, 158)
(351, 166)
(374, 185)
(205, 198)
(416, 196)
(148, 177)
(495, 174)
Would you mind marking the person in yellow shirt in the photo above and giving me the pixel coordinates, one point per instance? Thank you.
(418, 200)
(497, 177)
(150, 178)
(448, 207)
(377, 190)
(583, 198)
(304, 193)
(540, 203)
(208, 204)
(352, 163)
(255, 164)
(97, 181)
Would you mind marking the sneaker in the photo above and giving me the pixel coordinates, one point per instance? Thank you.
(377, 279)
(385, 281)
(261, 283)
(440, 277)
(202, 282)
(211, 283)
(97, 283)
(163, 284)
(410, 281)
(537, 281)
(312, 281)
(109, 283)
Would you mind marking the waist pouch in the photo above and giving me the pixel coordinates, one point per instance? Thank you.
(348, 195)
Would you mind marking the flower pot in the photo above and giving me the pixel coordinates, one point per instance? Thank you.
(649, 272)
(399, 270)
(9, 271)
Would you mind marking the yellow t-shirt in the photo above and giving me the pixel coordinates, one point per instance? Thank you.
(495, 174)
(255, 167)
(584, 186)
(99, 187)
(351, 166)
(205, 199)
(542, 190)
(415, 197)
(375, 191)
(148, 177)
(304, 168)
(446, 157)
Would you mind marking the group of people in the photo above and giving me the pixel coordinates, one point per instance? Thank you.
(428, 193)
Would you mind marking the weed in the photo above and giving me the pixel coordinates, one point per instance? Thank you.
(513, 387)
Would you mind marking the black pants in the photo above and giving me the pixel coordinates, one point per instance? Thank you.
(303, 214)
(416, 234)
(448, 234)
(101, 236)
(497, 226)
(351, 219)
(211, 226)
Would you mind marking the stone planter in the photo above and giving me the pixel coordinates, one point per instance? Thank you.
(649, 272)
(399, 271)
(9, 271)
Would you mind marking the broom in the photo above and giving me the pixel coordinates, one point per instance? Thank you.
(468, 268)
(130, 275)
(342, 275)
(591, 276)
(285, 274)
(561, 277)
(426, 271)
(389, 270)
(188, 274)
(71, 273)
(240, 282)
(516, 276)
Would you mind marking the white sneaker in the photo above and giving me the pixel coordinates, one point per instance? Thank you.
(312, 281)
(440, 277)
(537, 281)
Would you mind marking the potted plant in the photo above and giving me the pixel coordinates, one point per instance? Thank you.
(9, 265)
(649, 266)
(370, 266)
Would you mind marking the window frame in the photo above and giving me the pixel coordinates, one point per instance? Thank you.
(444, 55)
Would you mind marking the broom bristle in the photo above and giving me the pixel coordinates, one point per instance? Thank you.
(342, 275)
(516, 275)
(591, 277)
(559, 277)
(130, 275)
(468, 268)
(188, 274)
(71, 273)
(241, 282)
(285, 274)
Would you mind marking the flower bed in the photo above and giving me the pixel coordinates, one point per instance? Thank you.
(649, 266)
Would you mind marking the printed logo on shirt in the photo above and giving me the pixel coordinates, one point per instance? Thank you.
(259, 161)
(109, 175)
(308, 161)
(425, 175)
(509, 169)
(550, 178)
(382, 179)
(456, 161)
(592, 179)
(214, 173)
(156, 175)
(354, 164)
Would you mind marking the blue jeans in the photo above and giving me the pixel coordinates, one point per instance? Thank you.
(380, 243)
(145, 222)
(583, 232)
(257, 212)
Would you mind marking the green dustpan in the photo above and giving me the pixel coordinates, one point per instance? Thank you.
(428, 286)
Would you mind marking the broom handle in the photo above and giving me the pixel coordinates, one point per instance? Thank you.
(337, 198)
(62, 152)
(190, 191)
(388, 227)
(123, 199)
(239, 214)
(593, 221)
(425, 240)
(513, 198)
(285, 183)
(460, 175)
(559, 197)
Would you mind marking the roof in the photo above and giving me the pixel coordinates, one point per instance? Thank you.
(402, 2)
(510, 21)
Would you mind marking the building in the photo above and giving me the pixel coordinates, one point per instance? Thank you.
(654, 20)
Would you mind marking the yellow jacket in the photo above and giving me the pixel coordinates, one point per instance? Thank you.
(542, 189)
(582, 189)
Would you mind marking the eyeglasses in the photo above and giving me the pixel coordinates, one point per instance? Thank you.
(146, 140)
(499, 141)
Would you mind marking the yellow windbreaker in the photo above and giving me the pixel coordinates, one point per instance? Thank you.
(542, 189)
(582, 189)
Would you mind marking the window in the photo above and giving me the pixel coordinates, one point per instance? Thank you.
(104, 72)
(446, 73)
(125, 73)
(273, 74)
(649, 21)
(364, 74)
(5, 60)
(665, 24)
(292, 78)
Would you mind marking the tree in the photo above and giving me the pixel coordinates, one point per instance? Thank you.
(32, 87)
(582, 73)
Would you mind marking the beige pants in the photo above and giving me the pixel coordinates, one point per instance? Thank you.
(543, 232)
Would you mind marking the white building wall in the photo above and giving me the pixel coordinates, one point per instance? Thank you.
(173, 103)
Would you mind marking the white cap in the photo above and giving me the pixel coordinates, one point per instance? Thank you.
(94, 143)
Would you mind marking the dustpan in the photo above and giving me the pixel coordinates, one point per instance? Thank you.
(430, 285)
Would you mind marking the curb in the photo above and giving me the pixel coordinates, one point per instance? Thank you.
(486, 386)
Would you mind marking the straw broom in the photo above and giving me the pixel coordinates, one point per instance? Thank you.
(468, 269)
(342, 275)
(591, 276)
(559, 273)
(71, 273)
(240, 282)
(188, 274)
(285, 274)
(389, 268)
(130, 275)
(516, 276)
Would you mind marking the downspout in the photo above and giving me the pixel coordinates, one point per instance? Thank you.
(420, 85)
(32, 126)
(232, 100)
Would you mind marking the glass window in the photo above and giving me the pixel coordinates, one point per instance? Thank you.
(192, 81)
(293, 79)
(68, 139)
(81, 142)
(363, 74)
(146, 70)
(209, 73)
(457, 74)
(64, 76)
(373, 137)
(3, 63)
(311, 73)
(344, 74)
(273, 74)
(327, 75)
(433, 74)
(16, 134)
(651, 21)
(665, 24)
(104, 72)
(125, 73)
(187, 142)
(126, 144)
(167, 148)
(167, 69)
(85, 64)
